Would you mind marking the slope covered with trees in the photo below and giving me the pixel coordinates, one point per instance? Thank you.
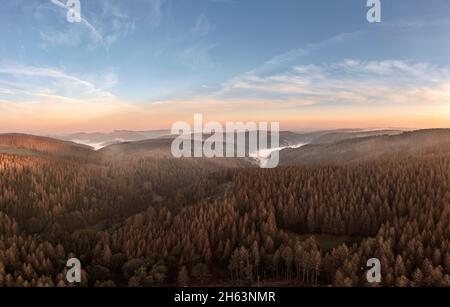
(30, 145)
(421, 142)
(140, 220)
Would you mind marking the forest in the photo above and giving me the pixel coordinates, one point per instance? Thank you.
(144, 219)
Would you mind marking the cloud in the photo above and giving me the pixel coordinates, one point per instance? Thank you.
(292, 57)
(48, 98)
(29, 81)
(197, 56)
(105, 27)
(84, 22)
(54, 38)
(156, 12)
(350, 93)
(115, 21)
(202, 25)
(347, 82)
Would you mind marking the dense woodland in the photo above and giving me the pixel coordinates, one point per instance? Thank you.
(140, 220)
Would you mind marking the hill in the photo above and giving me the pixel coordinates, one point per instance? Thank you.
(143, 218)
(420, 142)
(30, 145)
(160, 149)
(102, 139)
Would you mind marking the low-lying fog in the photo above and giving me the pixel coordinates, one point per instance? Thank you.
(97, 145)
(263, 155)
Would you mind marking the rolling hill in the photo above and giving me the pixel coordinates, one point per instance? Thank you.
(31, 145)
(102, 139)
(420, 142)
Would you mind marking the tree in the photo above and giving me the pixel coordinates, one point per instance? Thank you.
(200, 272)
(288, 257)
(183, 277)
(418, 278)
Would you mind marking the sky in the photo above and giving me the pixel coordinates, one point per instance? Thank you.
(146, 64)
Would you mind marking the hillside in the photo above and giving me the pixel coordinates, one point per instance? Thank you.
(330, 136)
(102, 139)
(160, 150)
(336, 136)
(419, 142)
(30, 145)
(144, 218)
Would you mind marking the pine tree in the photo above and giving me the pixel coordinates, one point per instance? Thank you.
(183, 277)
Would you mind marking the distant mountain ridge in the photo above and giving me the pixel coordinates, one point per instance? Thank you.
(363, 148)
(99, 140)
(322, 147)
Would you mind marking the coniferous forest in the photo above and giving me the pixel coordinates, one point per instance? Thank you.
(135, 216)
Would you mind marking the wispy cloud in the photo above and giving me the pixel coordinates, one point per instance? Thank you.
(351, 87)
(293, 57)
(86, 23)
(202, 25)
(53, 38)
(41, 98)
(198, 57)
(46, 81)
(350, 81)
(104, 27)
(156, 14)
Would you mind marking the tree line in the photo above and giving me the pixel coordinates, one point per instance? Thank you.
(148, 222)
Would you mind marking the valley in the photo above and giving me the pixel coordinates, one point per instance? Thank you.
(136, 216)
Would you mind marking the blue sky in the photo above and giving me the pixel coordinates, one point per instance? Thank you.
(283, 56)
